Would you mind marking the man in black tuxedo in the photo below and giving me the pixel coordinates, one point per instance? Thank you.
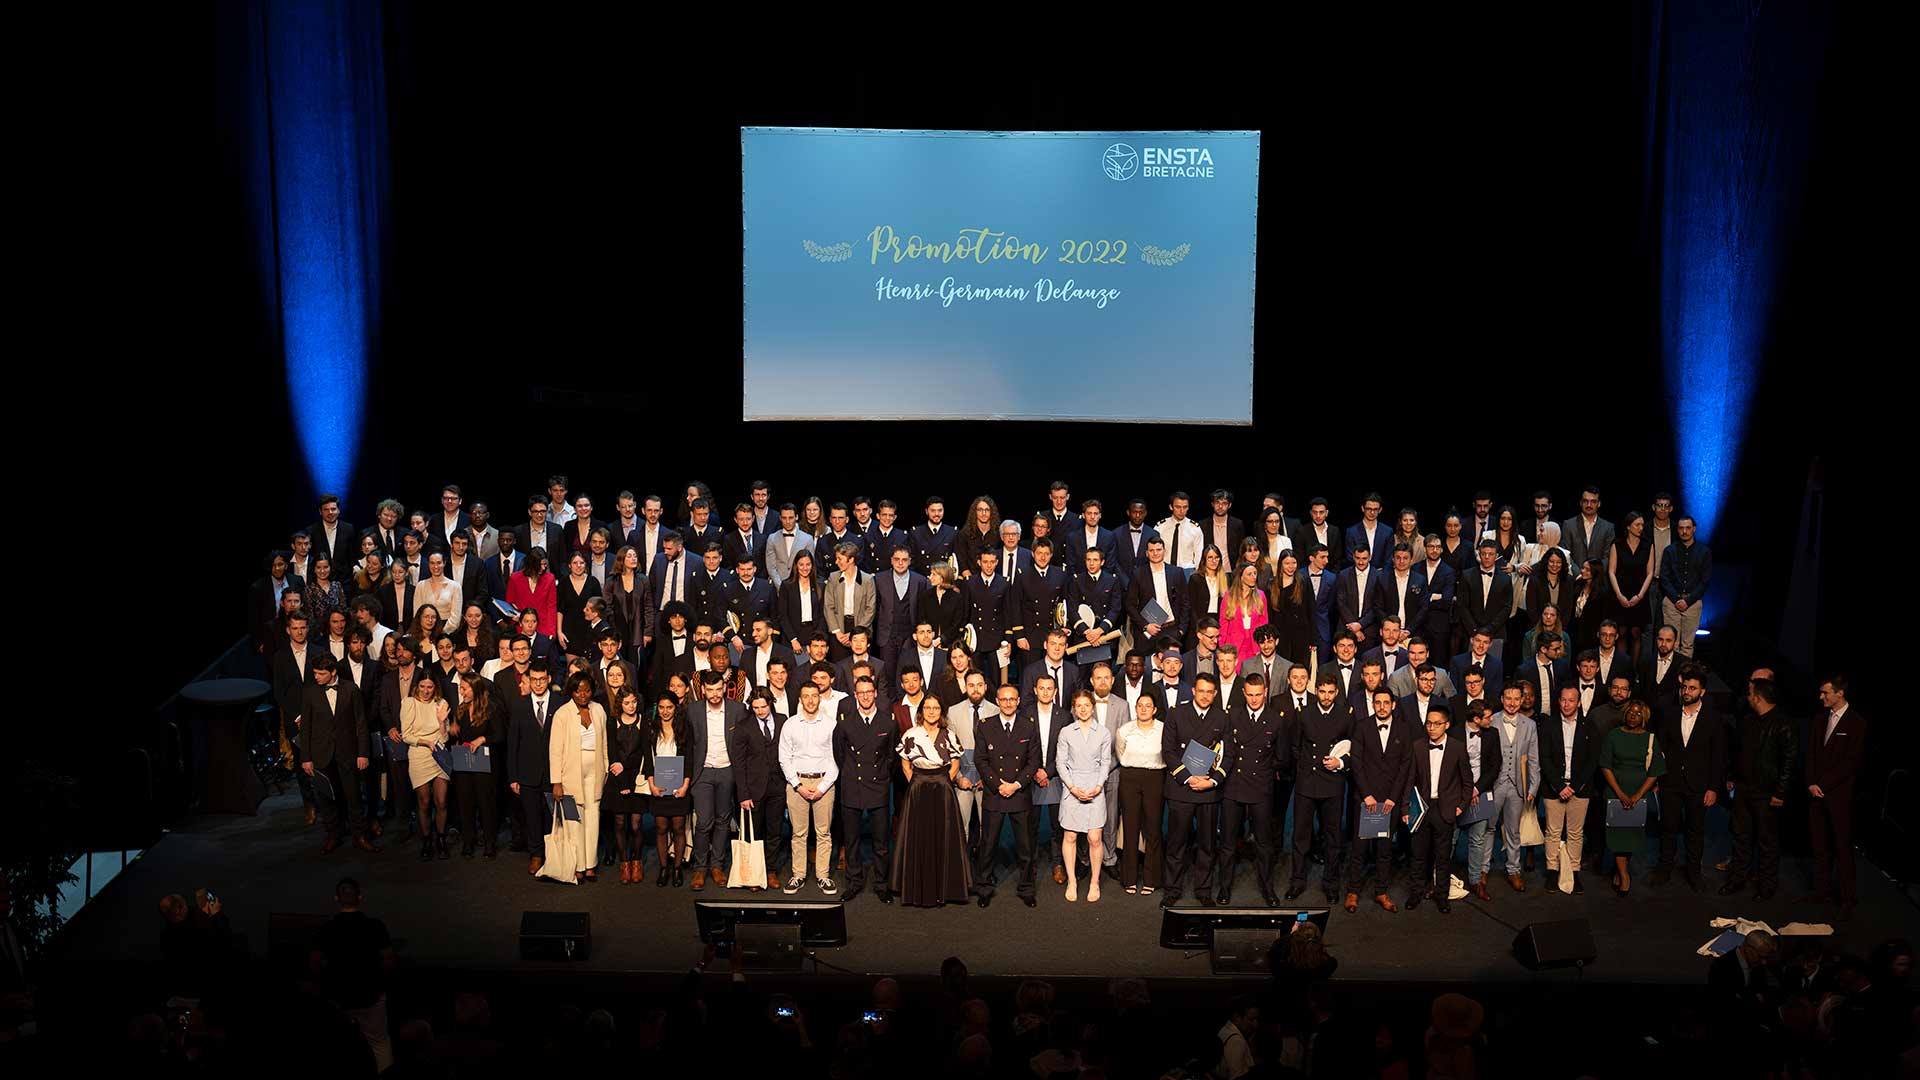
(1658, 680)
(333, 539)
(527, 759)
(1052, 662)
(1483, 597)
(1569, 769)
(1101, 593)
(1320, 782)
(1193, 801)
(743, 541)
(990, 610)
(539, 532)
(746, 596)
(470, 573)
(450, 522)
(1322, 531)
(1694, 739)
(292, 671)
(1478, 658)
(759, 782)
(1382, 775)
(700, 529)
(1441, 774)
(1250, 756)
(333, 746)
(1131, 540)
(1160, 582)
(673, 649)
(1037, 596)
(1007, 756)
(933, 541)
(865, 745)
(761, 652)
(1223, 530)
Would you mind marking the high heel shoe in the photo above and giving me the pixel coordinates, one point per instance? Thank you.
(426, 849)
(661, 881)
(446, 852)
(678, 878)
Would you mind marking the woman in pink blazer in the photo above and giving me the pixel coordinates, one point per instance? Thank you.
(1243, 610)
(534, 588)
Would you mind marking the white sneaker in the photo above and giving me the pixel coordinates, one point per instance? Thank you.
(794, 884)
(827, 886)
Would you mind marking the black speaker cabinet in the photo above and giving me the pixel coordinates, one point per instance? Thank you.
(1565, 943)
(1242, 952)
(555, 935)
(770, 946)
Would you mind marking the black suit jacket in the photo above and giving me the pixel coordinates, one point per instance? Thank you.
(867, 755)
(1491, 753)
(1701, 765)
(1236, 532)
(757, 773)
(495, 581)
(1491, 611)
(1185, 725)
(1105, 596)
(750, 662)
(289, 682)
(346, 543)
(551, 540)
(1253, 752)
(1657, 691)
(753, 546)
(327, 732)
(888, 617)
(990, 610)
(437, 537)
(1456, 777)
(1132, 557)
(787, 611)
(1006, 758)
(1314, 738)
(1350, 606)
(1035, 594)
(394, 617)
(1383, 774)
(1063, 692)
(1553, 757)
(1140, 591)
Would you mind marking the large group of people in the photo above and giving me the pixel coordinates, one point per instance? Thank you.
(1156, 703)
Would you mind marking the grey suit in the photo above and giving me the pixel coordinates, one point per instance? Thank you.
(1401, 682)
(1507, 792)
(960, 723)
(779, 560)
(1117, 715)
(1573, 537)
(837, 602)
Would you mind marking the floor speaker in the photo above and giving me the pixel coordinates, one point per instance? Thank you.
(1565, 943)
(555, 935)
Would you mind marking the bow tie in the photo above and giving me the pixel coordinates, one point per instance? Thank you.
(1488, 573)
(788, 535)
(1384, 727)
(1586, 686)
(1346, 667)
(1437, 745)
(1473, 734)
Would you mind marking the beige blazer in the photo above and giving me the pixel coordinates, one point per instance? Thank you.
(563, 751)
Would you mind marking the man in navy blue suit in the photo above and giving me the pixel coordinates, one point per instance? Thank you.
(882, 536)
(933, 541)
(743, 541)
(1356, 596)
(1370, 532)
(1101, 593)
(1478, 656)
(700, 530)
(1559, 673)
(1131, 540)
(1076, 543)
(1321, 582)
(1437, 596)
(1014, 559)
(501, 568)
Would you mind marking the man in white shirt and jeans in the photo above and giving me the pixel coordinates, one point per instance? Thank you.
(806, 757)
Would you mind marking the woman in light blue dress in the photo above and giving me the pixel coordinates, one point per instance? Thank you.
(1083, 758)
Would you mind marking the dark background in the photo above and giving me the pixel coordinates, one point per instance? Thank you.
(1457, 284)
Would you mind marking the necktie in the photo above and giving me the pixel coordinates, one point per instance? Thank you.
(540, 711)
(766, 728)
(976, 716)
(1009, 726)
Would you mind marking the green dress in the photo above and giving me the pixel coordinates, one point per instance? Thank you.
(1625, 752)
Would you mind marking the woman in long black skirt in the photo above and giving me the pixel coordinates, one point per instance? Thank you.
(930, 856)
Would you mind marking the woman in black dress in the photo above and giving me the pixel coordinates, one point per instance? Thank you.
(949, 612)
(474, 725)
(1628, 579)
(668, 734)
(571, 593)
(930, 858)
(799, 607)
(625, 798)
(627, 597)
(1292, 610)
(951, 685)
(1456, 548)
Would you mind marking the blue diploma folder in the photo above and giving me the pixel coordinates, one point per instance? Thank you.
(669, 773)
(1619, 817)
(1482, 809)
(443, 757)
(1198, 759)
(967, 767)
(565, 808)
(474, 761)
(1375, 824)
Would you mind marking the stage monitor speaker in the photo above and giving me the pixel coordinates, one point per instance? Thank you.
(1193, 928)
(1563, 943)
(770, 947)
(555, 935)
(822, 923)
(290, 937)
(1243, 952)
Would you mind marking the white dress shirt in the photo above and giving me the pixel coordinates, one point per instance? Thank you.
(717, 738)
(1436, 752)
(1140, 748)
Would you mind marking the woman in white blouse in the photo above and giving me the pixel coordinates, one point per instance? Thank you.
(577, 755)
(1142, 772)
(930, 859)
(423, 728)
(1081, 761)
(437, 588)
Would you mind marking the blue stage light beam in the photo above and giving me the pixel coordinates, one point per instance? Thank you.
(327, 117)
(1733, 112)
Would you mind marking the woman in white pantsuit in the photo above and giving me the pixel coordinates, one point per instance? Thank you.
(577, 755)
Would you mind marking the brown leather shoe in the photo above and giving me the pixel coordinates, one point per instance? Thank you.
(1480, 890)
(1519, 883)
(626, 872)
(719, 878)
(375, 824)
(366, 845)
(1385, 902)
(309, 815)
(332, 845)
(773, 880)
(534, 864)
(843, 860)
(699, 879)
(1059, 874)
(1353, 902)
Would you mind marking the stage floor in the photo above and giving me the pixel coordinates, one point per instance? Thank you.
(465, 915)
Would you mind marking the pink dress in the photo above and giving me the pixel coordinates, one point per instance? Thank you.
(1237, 630)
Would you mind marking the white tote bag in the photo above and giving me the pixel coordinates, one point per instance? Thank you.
(561, 856)
(749, 868)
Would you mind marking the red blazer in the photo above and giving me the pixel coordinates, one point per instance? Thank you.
(543, 598)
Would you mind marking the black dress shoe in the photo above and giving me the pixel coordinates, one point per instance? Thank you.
(886, 897)
(1029, 901)
(1272, 900)
(853, 891)
(984, 899)
(1224, 899)
(1578, 889)
(1204, 899)
(1442, 905)
(1413, 900)
(1294, 890)
(1168, 899)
